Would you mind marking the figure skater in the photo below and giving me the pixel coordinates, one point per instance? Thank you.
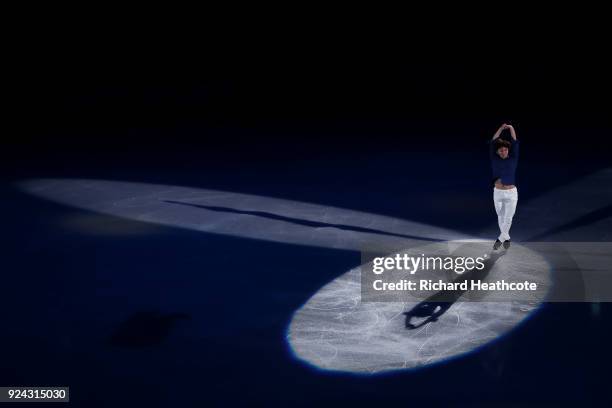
(504, 157)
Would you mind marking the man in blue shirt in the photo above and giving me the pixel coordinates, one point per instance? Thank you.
(504, 157)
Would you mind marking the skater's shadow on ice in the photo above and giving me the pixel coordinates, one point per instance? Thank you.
(298, 221)
(145, 329)
(430, 309)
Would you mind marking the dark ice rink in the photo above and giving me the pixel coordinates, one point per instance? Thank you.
(128, 311)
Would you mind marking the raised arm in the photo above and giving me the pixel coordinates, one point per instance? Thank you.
(512, 132)
(499, 131)
(514, 150)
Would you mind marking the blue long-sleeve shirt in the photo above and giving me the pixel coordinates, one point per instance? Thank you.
(504, 169)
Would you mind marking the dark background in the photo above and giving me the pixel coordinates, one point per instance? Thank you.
(128, 101)
(342, 124)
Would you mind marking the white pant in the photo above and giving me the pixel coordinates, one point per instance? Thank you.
(505, 205)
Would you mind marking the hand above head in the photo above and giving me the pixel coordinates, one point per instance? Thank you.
(512, 131)
(500, 130)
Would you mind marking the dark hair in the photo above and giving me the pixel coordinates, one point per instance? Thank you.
(502, 143)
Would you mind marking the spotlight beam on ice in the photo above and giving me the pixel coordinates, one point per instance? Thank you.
(241, 215)
(335, 330)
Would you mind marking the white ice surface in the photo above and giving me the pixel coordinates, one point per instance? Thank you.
(334, 330)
